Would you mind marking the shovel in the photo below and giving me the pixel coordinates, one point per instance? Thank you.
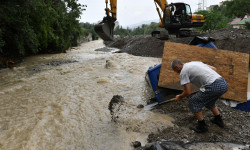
(153, 105)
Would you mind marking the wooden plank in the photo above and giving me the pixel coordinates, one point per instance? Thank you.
(233, 66)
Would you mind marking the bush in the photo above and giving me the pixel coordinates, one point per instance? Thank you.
(141, 30)
(248, 25)
(1, 42)
(213, 20)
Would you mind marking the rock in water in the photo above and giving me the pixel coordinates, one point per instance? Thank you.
(114, 106)
(136, 144)
(140, 106)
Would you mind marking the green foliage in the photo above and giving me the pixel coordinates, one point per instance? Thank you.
(122, 32)
(141, 30)
(30, 27)
(247, 25)
(84, 32)
(94, 34)
(87, 25)
(221, 9)
(88, 29)
(213, 20)
(152, 27)
(237, 8)
(1, 41)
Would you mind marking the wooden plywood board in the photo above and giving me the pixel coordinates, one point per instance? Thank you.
(233, 66)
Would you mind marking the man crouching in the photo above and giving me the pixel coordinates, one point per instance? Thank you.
(211, 85)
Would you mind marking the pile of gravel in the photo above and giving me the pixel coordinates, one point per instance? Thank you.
(227, 39)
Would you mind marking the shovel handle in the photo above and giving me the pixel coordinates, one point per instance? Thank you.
(172, 99)
(169, 100)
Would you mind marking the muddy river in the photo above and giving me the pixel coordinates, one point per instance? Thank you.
(60, 101)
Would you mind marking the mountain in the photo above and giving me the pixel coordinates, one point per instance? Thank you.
(132, 26)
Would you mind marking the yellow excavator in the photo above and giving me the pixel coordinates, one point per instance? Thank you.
(177, 18)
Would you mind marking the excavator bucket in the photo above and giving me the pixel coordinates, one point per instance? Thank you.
(105, 30)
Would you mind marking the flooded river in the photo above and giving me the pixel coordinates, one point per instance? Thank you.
(60, 101)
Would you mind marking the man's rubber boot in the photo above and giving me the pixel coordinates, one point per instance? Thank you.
(201, 127)
(218, 121)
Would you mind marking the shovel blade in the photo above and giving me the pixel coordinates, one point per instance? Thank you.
(153, 105)
(105, 30)
(150, 106)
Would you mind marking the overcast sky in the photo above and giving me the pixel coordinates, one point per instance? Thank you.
(130, 11)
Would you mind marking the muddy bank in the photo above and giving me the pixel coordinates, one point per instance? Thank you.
(236, 125)
(226, 39)
(180, 136)
(235, 134)
(194, 146)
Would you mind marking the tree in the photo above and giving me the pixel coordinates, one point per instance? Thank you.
(152, 27)
(221, 9)
(122, 32)
(237, 8)
(213, 20)
(144, 29)
(248, 25)
(87, 29)
(33, 26)
(1, 41)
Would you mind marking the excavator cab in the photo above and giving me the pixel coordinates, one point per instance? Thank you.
(178, 18)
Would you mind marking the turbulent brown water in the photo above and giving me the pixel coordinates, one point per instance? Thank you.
(60, 101)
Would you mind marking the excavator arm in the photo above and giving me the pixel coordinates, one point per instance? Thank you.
(162, 4)
(105, 29)
(113, 6)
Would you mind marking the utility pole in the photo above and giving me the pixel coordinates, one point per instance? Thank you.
(202, 5)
